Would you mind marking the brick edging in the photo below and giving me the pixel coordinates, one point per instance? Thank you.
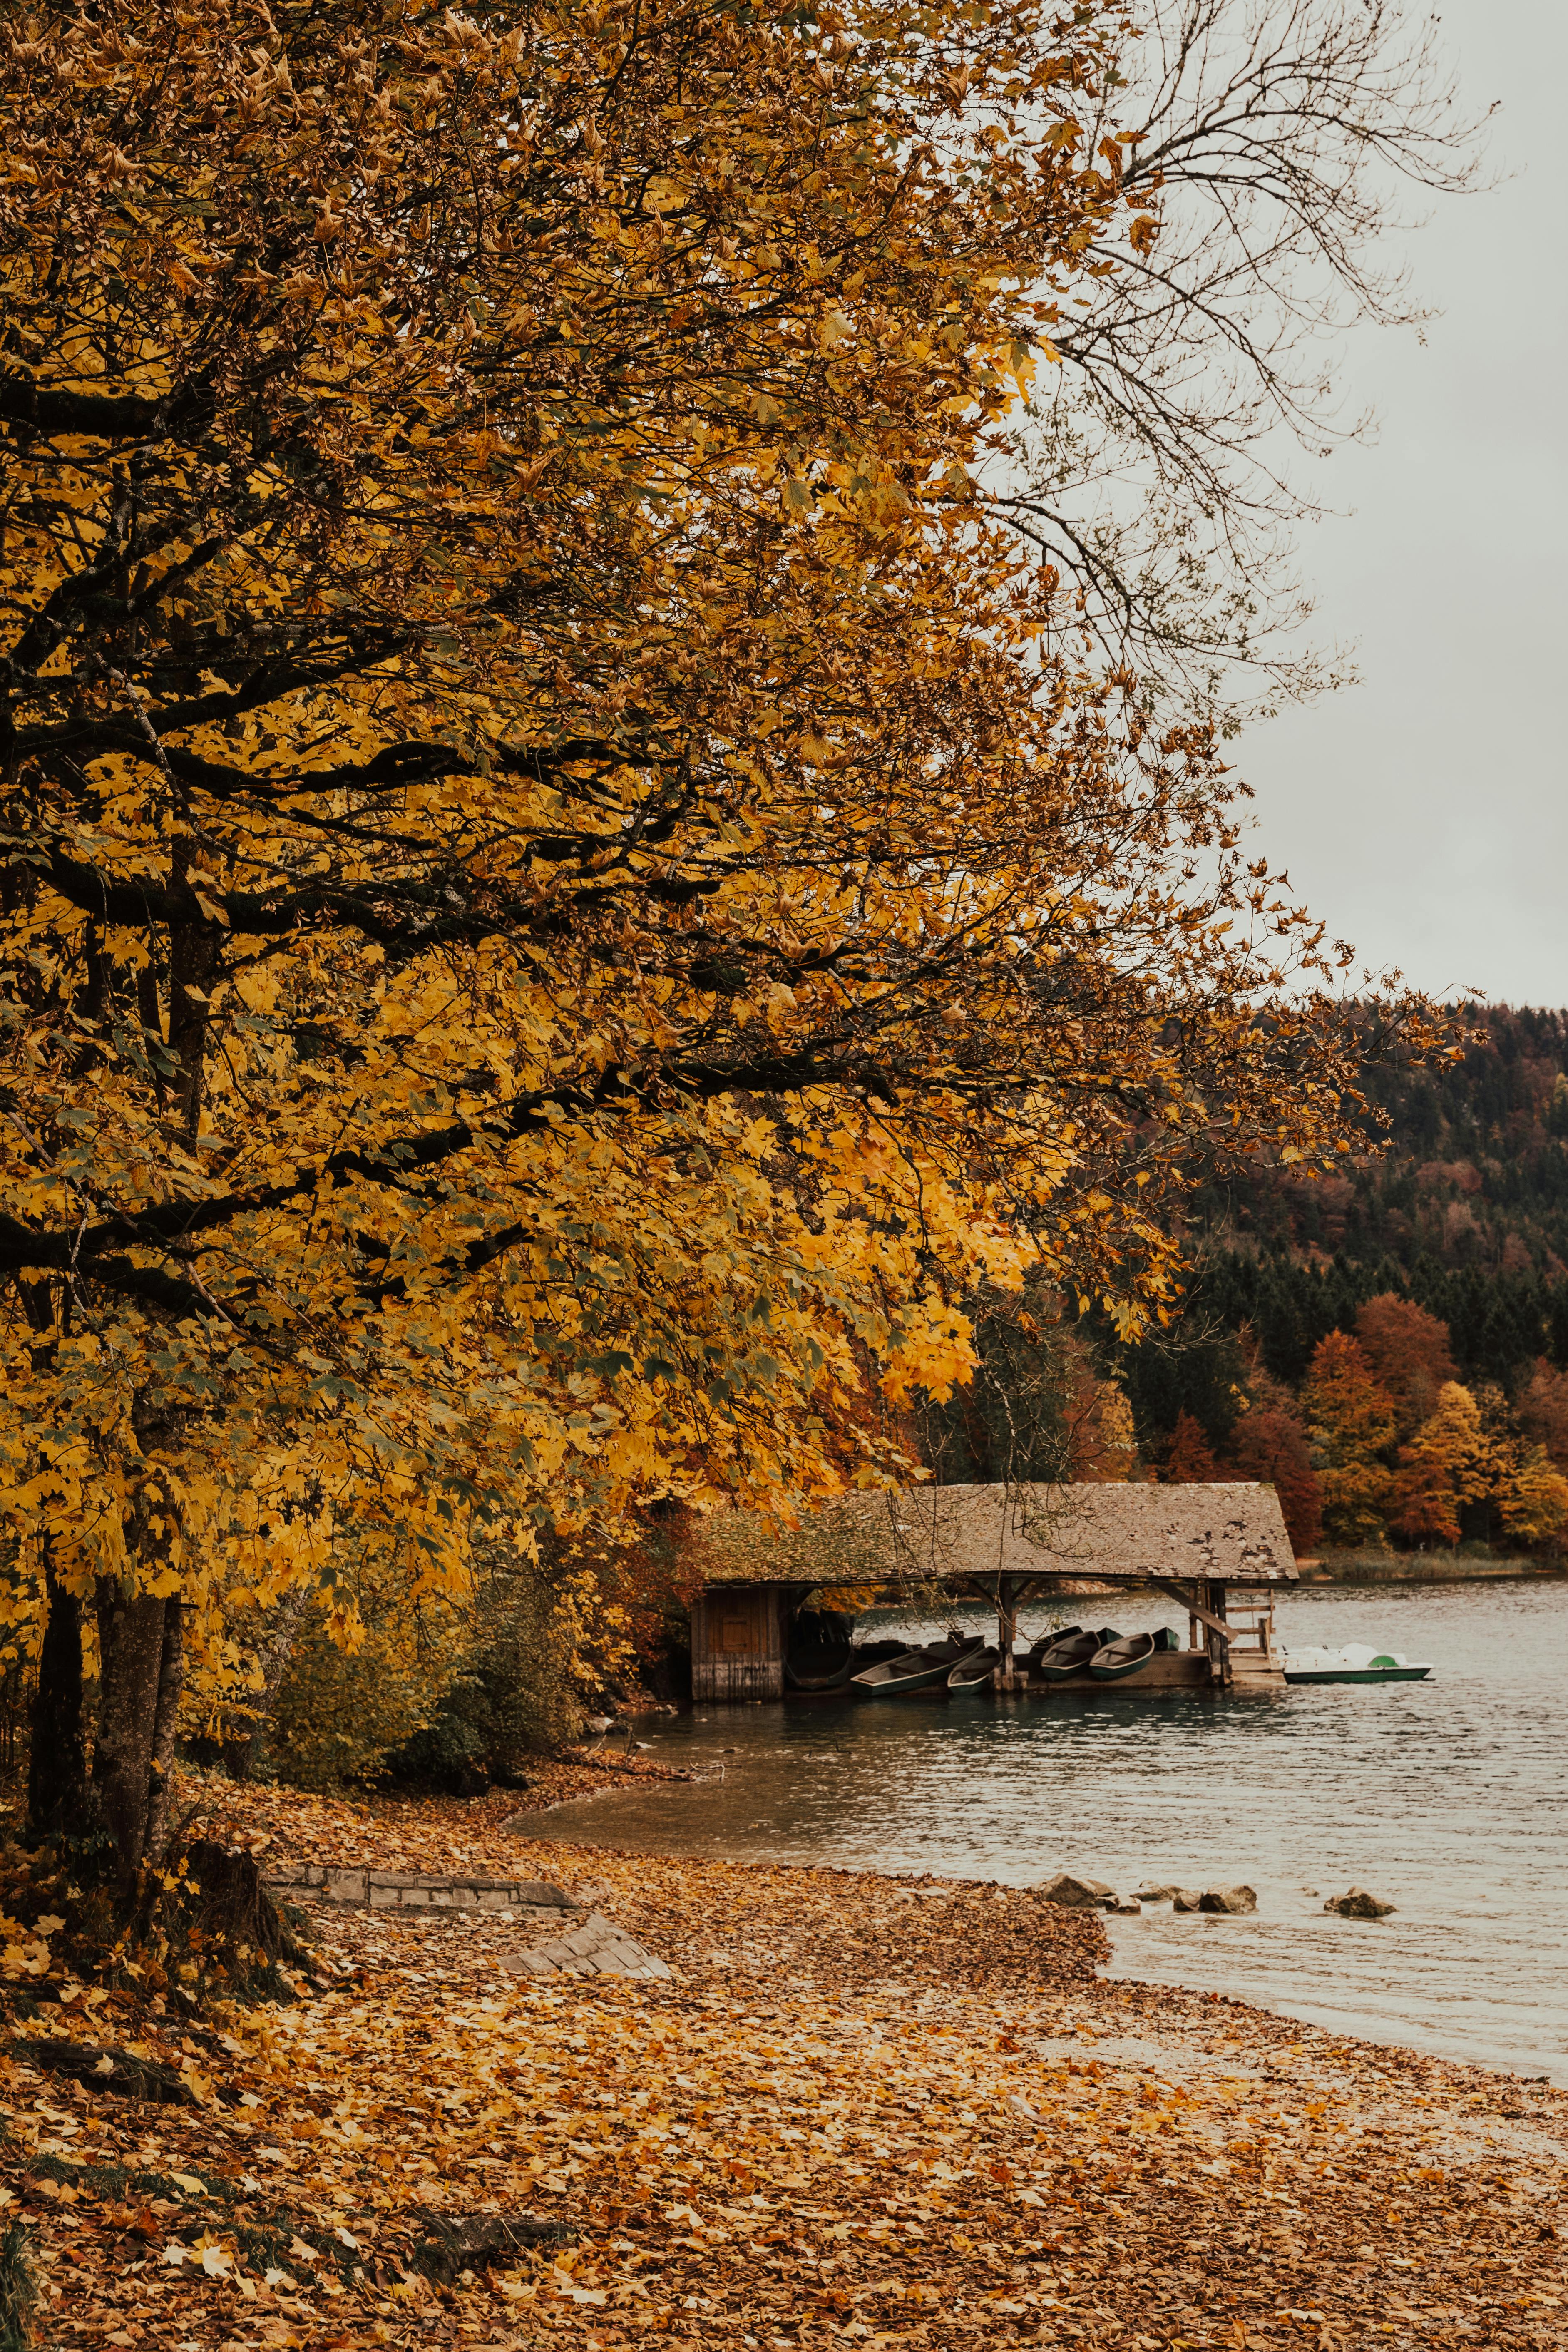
(395, 1890)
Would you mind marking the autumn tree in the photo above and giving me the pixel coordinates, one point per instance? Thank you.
(1351, 1421)
(1409, 1352)
(562, 905)
(1270, 1444)
(1543, 1411)
(1449, 1462)
(1189, 1458)
(1102, 1447)
(1039, 1406)
(1282, 145)
(1532, 1500)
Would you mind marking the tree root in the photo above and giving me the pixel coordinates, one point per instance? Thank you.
(471, 2242)
(212, 1928)
(98, 2069)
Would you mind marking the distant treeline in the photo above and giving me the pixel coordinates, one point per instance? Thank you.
(1388, 1345)
(1473, 1172)
(1465, 1214)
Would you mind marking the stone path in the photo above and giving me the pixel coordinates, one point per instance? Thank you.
(597, 1948)
(593, 1947)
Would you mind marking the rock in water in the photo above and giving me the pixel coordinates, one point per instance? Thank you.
(1186, 1898)
(1235, 1899)
(1079, 1893)
(1156, 1893)
(1357, 1904)
(1129, 1910)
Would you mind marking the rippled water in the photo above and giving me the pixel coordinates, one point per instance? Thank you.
(1448, 1798)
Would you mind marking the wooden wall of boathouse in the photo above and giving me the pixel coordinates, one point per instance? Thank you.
(738, 1634)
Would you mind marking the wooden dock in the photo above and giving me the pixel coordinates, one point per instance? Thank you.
(1173, 1670)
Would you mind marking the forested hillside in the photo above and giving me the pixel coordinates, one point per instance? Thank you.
(1440, 1261)
(1389, 1347)
(1464, 1210)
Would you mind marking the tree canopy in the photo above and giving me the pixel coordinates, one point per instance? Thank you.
(562, 899)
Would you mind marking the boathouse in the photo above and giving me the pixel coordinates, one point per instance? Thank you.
(1220, 1549)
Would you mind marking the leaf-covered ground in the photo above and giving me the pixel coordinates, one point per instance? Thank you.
(863, 2112)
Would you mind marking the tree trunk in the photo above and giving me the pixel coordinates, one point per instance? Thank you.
(166, 1723)
(130, 1643)
(142, 1643)
(57, 1763)
(57, 1766)
(195, 950)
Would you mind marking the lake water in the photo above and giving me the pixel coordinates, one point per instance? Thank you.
(1447, 1798)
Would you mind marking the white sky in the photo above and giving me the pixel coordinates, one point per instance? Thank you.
(1423, 813)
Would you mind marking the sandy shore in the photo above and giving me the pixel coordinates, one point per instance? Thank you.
(861, 2111)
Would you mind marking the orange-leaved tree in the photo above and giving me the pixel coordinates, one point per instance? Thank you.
(1269, 1443)
(1189, 1458)
(556, 915)
(1451, 1461)
(1351, 1421)
(1409, 1352)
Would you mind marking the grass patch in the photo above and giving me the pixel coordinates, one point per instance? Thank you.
(19, 2292)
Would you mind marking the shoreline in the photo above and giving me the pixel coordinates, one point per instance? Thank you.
(1422, 1567)
(861, 2112)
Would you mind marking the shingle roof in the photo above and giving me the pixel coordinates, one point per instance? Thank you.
(1231, 1532)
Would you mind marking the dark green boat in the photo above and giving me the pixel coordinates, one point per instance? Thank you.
(1128, 1656)
(1070, 1653)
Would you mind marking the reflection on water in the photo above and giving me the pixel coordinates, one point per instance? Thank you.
(1449, 1798)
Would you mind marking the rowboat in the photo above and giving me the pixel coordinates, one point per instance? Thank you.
(1122, 1657)
(1069, 1654)
(1354, 1663)
(821, 1656)
(874, 1653)
(1048, 1641)
(917, 1669)
(975, 1674)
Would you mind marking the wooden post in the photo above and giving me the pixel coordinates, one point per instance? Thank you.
(1003, 1675)
(1256, 1664)
(1205, 1604)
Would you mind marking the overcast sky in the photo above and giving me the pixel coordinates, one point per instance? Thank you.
(1424, 812)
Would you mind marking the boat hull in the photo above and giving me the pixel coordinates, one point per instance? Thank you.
(1358, 1674)
(977, 1675)
(928, 1678)
(837, 1678)
(876, 1683)
(1122, 1669)
(1085, 1647)
(1188, 1670)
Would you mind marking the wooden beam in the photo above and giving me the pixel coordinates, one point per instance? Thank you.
(1193, 1608)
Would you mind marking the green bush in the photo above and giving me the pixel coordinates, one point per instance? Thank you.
(371, 1660)
(518, 1686)
(450, 1691)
